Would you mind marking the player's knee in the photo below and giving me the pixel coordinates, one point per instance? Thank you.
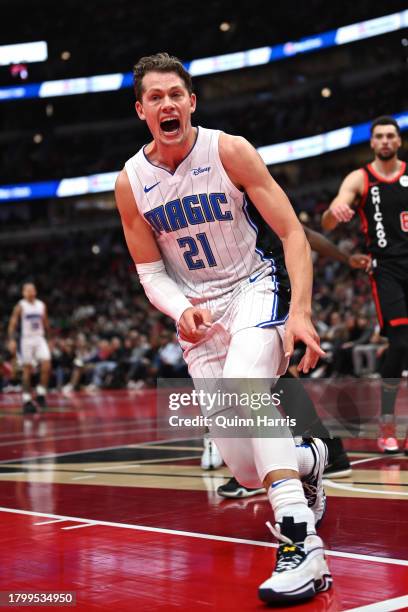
(235, 371)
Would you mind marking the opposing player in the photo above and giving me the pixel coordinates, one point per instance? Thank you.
(193, 233)
(379, 193)
(32, 315)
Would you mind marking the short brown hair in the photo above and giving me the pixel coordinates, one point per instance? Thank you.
(385, 120)
(160, 62)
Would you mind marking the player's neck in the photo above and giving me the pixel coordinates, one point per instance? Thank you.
(388, 168)
(171, 156)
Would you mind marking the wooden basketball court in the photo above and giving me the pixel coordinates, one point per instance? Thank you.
(98, 498)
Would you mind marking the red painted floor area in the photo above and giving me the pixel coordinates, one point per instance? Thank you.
(113, 568)
(120, 567)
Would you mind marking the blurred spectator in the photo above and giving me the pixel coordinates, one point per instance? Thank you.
(356, 332)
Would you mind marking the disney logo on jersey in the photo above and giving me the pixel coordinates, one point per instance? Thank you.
(199, 170)
(404, 180)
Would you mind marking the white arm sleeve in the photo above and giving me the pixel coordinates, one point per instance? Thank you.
(161, 290)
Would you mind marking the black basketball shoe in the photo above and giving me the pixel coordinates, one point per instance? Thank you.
(338, 465)
(233, 489)
(29, 407)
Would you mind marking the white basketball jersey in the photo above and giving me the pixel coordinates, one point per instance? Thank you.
(32, 313)
(200, 221)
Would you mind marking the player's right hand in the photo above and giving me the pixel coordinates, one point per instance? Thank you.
(341, 212)
(194, 324)
(360, 261)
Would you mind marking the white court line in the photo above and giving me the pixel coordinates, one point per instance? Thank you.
(91, 524)
(398, 456)
(141, 463)
(50, 522)
(82, 477)
(202, 536)
(75, 436)
(92, 450)
(398, 603)
(350, 487)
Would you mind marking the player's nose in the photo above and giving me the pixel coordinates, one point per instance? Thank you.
(167, 103)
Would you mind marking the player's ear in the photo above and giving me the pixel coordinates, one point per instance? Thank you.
(193, 102)
(139, 110)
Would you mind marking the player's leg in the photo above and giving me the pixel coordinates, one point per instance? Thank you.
(206, 361)
(392, 310)
(27, 361)
(28, 404)
(301, 569)
(298, 405)
(44, 357)
(391, 372)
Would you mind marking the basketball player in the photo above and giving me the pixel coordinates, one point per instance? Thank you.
(379, 192)
(32, 316)
(192, 232)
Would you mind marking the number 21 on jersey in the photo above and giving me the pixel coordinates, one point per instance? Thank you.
(192, 253)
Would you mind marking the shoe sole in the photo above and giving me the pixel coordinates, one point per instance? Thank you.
(307, 591)
(240, 493)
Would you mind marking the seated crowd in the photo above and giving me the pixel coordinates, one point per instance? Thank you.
(105, 334)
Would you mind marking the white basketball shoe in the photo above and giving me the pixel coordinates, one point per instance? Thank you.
(301, 570)
(211, 458)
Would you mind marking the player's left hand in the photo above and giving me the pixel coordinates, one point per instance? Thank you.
(300, 327)
(12, 347)
(359, 261)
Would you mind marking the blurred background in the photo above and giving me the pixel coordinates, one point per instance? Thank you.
(271, 72)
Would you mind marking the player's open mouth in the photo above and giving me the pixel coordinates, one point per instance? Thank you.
(170, 126)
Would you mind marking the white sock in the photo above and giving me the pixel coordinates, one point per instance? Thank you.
(26, 397)
(287, 499)
(305, 458)
(41, 390)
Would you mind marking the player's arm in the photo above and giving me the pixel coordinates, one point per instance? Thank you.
(326, 248)
(46, 321)
(160, 289)
(341, 209)
(248, 172)
(12, 328)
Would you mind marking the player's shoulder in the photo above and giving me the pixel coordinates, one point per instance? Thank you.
(235, 150)
(123, 189)
(233, 144)
(122, 180)
(355, 180)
